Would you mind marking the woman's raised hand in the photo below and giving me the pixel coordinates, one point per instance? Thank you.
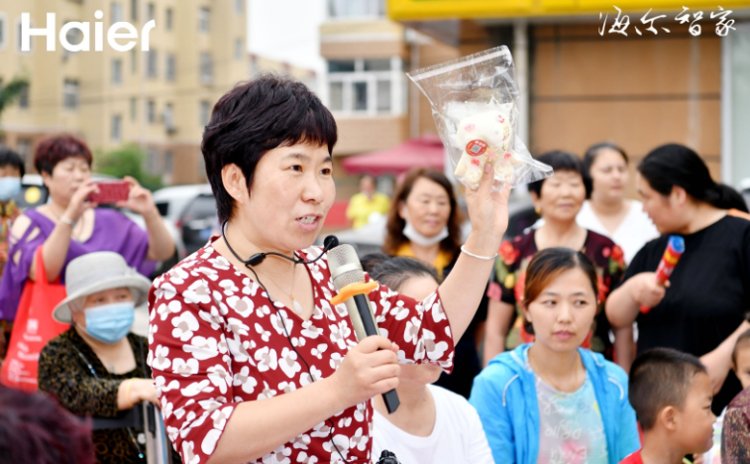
(79, 202)
(488, 212)
(370, 368)
(140, 200)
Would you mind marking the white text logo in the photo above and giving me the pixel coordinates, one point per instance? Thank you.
(121, 36)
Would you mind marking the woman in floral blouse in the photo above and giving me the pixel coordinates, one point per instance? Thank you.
(557, 199)
(252, 361)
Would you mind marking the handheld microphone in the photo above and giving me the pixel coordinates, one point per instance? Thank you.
(672, 254)
(347, 274)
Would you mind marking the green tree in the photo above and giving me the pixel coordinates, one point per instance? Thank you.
(127, 160)
(11, 91)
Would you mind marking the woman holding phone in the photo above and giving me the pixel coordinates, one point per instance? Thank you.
(71, 225)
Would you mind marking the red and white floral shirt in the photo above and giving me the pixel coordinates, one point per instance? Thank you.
(216, 340)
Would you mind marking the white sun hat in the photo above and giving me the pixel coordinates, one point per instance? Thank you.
(94, 272)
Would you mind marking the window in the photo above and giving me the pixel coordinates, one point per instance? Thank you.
(133, 60)
(204, 19)
(151, 115)
(168, 117)
(18, 35)
(116, 12)
(2, 30)
(151, 68)
(23, 147)
(133, 108)
(71, 90)
(117, 71)
(207, 68)
(366, 86)
(168, 19)
(170, 67)
(168, 161)
(23, 97)
(336, 96)
(356, 8)
(239, 48)
(204, 112)
(150, 11)
(116, 133)
(134, 10)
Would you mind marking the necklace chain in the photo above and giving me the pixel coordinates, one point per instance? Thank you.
(290, 293)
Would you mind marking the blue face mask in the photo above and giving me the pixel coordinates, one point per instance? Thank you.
(9, 187)
(110, 323)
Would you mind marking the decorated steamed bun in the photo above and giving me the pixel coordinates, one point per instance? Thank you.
(485, 137)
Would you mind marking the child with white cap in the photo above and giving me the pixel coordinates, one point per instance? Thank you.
(97, 368)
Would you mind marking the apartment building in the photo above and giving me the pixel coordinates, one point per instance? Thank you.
(159, 98)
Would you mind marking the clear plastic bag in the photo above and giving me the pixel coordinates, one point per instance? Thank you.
(474, 106)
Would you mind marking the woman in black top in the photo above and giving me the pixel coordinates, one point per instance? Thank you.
(702, 310)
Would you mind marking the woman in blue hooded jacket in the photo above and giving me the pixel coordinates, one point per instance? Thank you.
(551, 401)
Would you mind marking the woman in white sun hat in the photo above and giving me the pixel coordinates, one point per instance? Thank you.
(97, 368)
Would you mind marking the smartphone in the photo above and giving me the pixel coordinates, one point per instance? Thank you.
(111, 192)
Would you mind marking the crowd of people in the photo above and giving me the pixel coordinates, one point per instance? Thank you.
(557, 345)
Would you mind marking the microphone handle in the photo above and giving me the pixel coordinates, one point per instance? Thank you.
(390, 398)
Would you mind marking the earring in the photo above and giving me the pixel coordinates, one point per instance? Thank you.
(538, 210)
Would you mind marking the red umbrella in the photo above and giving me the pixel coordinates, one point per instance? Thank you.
(426, 151)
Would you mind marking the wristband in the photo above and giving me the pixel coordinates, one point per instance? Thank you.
(67, 221)
(476, 256)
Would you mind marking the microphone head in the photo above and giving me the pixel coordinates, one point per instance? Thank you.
(345, 266)
(331, 241)
(255, 259)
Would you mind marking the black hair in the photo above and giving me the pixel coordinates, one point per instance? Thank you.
(394, 271)
(677, 165)
(255, 117)
(547, 265)
(559, 161)
(590, 156)
(660, 377)
(10, 157)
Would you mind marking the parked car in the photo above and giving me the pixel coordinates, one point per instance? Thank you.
(198, 221)
(191, 210)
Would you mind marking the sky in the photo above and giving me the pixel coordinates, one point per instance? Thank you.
(286, 30)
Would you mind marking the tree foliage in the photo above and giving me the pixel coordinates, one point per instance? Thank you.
(127, 160)
(11, 91)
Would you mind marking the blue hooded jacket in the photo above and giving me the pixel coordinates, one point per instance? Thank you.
(504, 394)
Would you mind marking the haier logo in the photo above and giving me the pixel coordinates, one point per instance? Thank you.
(121, 36)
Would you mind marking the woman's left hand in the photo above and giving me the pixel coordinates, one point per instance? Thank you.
(488, 212)
(140, 200)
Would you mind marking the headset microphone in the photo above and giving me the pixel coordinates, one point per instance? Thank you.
(331, 241)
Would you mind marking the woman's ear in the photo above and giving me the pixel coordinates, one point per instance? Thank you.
(536, 201)
(402, 212)
(525, 311)
(678, 196)
(234, 182)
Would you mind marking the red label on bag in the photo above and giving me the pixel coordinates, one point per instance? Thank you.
(476, 147)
